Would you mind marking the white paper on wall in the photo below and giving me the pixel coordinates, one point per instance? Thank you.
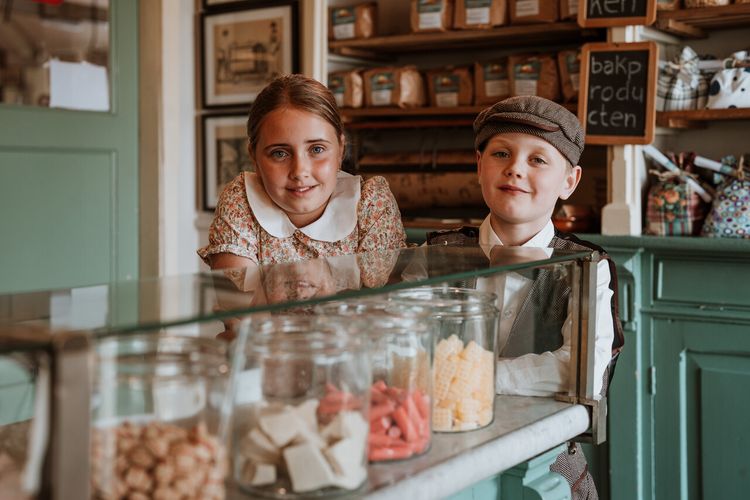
(82, 86)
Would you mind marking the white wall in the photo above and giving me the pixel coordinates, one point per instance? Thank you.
(178, 234)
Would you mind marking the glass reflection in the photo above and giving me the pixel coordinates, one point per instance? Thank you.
(55, 53)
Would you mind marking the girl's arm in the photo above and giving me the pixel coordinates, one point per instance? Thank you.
(228, 261)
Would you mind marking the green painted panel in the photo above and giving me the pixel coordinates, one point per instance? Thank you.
(722, 282)
(68, 178)
(63, 234)
(724, 436)
(680, 349)
(16, 392)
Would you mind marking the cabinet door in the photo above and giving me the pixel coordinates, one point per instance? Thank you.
(702, 408)
(69, 178)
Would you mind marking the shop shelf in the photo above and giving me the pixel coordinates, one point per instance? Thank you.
(691, 23)
(699, 117)
(505, 36)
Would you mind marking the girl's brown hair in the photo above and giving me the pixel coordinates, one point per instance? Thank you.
(296, 91)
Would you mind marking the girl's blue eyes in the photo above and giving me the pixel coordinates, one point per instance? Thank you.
(281, 154)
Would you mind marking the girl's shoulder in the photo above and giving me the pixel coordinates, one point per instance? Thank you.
(375, 189)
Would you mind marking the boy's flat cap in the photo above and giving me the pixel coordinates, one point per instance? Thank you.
(532, 115)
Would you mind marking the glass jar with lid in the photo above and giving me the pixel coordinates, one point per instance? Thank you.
(301, 407)
(400, 347)
(463, 386)
(155, 423)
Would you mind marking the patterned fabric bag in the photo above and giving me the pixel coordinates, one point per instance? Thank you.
(730, 213)
(674, 208)
(730, 87)
(681, 85)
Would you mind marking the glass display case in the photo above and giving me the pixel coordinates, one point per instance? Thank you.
(51, 345)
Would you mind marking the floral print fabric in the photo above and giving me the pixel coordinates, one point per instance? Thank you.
(235, 229)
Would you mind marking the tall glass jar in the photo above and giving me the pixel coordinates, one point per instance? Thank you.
(156, 412)
(301, 408)
(464, 361)
(400, 346)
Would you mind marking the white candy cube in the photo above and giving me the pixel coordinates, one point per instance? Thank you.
(282, 427)
(308, 468)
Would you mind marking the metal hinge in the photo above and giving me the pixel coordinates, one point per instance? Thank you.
(652, 380)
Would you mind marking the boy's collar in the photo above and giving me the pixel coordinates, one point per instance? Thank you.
(338, 220)
(488, 238)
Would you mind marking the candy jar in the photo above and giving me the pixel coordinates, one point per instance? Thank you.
(155, 421)
(301, 408)
(464, 361)
(400, 346)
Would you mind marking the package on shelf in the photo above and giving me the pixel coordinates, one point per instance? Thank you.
(533, 11)
(431, 15)
(675, 204)
(480, 14)
(729, 216)
(690, 4)
(681, 84)
(394, 86)
(568, 9)
(356, 21)
(491, 82)
(569, 66)
(668, 4)
(534, 75)
(347, 88)
(730, 87)
(450, 87)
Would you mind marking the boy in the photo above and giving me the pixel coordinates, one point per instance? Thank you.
(527, 151)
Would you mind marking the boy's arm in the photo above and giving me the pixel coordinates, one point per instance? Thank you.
(547, 373)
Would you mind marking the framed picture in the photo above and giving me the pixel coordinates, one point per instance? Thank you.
(224, 140)
(212, 4)
(245, 48)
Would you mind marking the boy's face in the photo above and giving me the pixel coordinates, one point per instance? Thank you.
(522, 177)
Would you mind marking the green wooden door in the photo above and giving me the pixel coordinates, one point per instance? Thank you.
(702, 408)
(69, 181)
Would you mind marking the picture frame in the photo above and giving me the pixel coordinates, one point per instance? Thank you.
(244, 47)
(218, 4)
(224, 154)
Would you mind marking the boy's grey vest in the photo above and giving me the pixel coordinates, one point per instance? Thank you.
(543, 312)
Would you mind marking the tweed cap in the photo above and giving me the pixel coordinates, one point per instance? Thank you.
(535, 116)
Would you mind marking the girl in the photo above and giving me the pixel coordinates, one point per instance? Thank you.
(299, 204)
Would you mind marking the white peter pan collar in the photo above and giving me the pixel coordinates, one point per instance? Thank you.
(338, 220)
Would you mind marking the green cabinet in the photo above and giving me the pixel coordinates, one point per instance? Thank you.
(680, 402)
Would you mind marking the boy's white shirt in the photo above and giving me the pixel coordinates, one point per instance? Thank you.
(546, 373)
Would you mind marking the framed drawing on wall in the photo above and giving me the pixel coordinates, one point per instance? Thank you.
(224, 141)
(245, 48)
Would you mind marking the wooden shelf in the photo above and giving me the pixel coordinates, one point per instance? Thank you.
(691, 23)
(699, 117)
(421, 117)
(507, 36)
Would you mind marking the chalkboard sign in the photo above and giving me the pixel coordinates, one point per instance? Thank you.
(618, 90)
(602, 13)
